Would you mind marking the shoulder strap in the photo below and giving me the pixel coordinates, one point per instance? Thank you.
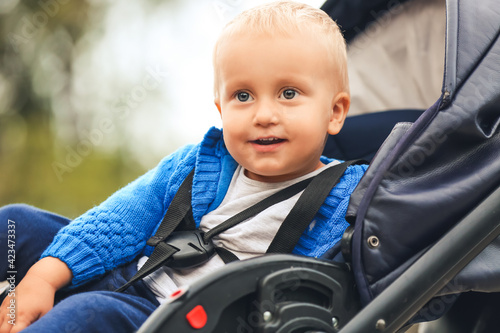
(178, 210)
(306, 208)
(279, 196)
(282, 195)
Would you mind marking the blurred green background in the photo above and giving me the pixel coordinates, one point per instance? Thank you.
(66, 173)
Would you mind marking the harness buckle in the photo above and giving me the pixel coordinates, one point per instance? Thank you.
(192, 249)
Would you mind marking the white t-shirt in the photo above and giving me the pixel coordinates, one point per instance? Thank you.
(248, 239)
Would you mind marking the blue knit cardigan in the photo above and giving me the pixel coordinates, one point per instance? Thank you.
(115, 232)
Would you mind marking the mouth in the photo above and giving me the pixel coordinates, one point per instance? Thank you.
(268, 141)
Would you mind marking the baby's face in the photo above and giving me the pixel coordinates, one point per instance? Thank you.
(278, 99)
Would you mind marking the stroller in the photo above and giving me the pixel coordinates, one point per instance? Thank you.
(422, 245)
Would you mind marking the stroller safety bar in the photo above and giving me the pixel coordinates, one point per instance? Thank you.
(273, 293)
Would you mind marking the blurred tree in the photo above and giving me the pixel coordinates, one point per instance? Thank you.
(37, 42)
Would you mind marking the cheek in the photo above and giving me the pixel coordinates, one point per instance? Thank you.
(313, 130)
(232, 133)
(227, 125)
(228, 116)
(234, 122)
(312, 123)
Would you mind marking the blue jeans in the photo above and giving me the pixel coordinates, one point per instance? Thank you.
(93, 307)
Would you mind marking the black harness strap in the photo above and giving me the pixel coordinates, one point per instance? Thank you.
(177, 211)
(282, 195)
(306, 208)
(226, 255)
(316, 190)
(161, 254)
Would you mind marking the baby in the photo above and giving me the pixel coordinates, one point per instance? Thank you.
(281, 87)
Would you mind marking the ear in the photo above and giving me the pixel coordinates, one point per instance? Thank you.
(340, 106)
(217, 104)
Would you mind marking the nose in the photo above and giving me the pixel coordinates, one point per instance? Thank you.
(266, 113)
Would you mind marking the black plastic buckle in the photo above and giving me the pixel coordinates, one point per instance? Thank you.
(192, 249)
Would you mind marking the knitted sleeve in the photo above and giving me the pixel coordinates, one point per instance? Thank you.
(329, 223)
(116, 231)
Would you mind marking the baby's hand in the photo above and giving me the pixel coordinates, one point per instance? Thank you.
(31, 299)
(34, 296)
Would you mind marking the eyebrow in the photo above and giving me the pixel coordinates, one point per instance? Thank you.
(289, 79)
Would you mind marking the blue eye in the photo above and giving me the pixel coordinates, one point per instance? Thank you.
(243, 96)
(289, 94)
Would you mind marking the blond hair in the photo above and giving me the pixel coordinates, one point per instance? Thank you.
(284, 18)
